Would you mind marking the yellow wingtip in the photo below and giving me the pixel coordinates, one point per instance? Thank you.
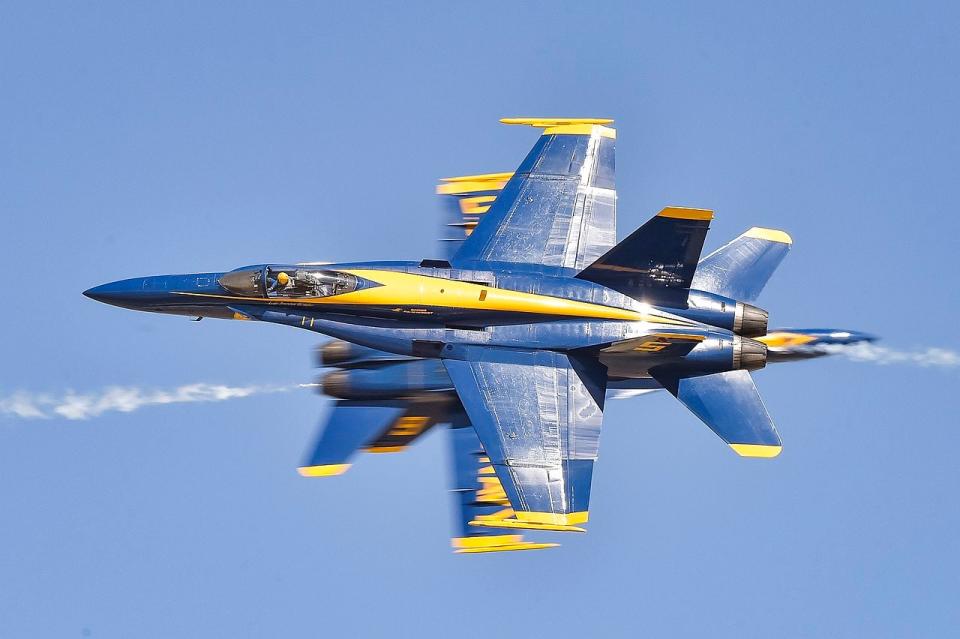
(545, 122)
(568, 126)
(772, 235)
(480, 177)
(472, 183)
(328, 470)
(524, 525)
(683, 213)
(525, 545)
(756, 450)
(562, 519)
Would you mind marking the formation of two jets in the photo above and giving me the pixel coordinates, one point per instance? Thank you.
(516, 339)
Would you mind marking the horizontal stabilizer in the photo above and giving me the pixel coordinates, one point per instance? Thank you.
(658, 260)
(741, 269)
(731, 406)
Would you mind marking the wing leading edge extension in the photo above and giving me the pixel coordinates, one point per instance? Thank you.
(560, 206)
(538, 415)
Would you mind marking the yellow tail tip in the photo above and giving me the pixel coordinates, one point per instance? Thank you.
(328, 470)
(772, 235)
(756, 450)
(683, 213)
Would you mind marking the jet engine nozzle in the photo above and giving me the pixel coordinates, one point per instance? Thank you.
(750, 321)
(336, 384)
(334, 352)
(748, 354)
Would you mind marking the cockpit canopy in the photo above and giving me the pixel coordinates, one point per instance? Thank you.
(287, 282)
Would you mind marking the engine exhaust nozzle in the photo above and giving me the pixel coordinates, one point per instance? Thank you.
(334, 352)
(749, 320)
(748, 354)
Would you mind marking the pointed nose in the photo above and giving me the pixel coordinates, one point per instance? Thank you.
(124, 293)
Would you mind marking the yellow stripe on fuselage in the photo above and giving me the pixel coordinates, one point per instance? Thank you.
(407, 289)
(412, 290)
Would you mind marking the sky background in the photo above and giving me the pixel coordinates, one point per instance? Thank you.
(147, 138)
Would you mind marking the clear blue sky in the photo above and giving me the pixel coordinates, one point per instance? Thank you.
(143, 138)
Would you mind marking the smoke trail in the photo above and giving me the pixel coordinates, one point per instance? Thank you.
(124, 399)
(866, 352)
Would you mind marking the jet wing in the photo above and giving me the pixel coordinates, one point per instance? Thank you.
(479, 495)
(560, 206)
(538, 415)
(375, 426)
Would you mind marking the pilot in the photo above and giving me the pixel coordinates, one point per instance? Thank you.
(279, 284)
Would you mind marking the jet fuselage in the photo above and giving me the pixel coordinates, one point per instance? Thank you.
(429, 309)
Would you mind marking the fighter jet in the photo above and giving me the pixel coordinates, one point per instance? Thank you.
(517, 337)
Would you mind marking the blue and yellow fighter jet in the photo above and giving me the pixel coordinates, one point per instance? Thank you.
(516, 338)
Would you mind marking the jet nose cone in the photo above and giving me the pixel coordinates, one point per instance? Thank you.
(125, 293)
(97, 293)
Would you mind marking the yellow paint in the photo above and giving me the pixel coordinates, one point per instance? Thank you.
(400, 290)
(525, 545)
(419, 290)
(769, 234)
(476, 205)
(481, 177)
(581, 129)
(756, 450)
(409, 426)
(491, 492)
(523, 525)
(782, 339)
(563, 519)
(385, 449)
(473, 183)
(479, 542)
(567, 126)
(328, 470)
(545, 122)
(659, 341)
(682, 213)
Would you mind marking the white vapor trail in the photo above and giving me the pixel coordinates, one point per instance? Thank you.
(127, 399)
(866, 352)
(124, 399)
